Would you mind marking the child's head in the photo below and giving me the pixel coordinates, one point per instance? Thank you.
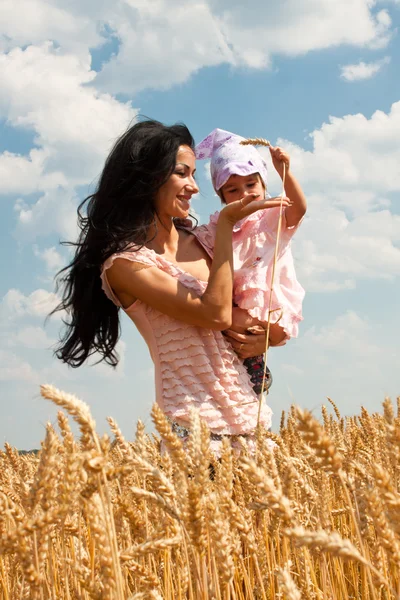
(238, 186)
(235, 169)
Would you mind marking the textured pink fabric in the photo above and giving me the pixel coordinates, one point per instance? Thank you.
(253, 253)
(194, 366)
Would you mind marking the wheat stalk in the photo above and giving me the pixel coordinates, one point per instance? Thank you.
(315, 518)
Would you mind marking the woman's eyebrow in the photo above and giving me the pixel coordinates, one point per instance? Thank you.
(185, 165)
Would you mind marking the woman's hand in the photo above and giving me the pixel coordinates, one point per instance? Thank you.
(280, 158)
(248, 344)
(249, 204)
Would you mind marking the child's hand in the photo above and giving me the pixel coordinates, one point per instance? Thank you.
(280, 158)
(249, 204)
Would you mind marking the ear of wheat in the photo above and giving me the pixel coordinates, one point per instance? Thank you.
(93, 520)
(255, 142)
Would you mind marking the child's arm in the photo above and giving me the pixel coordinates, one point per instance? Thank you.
(297, 210)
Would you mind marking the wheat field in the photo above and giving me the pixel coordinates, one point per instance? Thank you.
(313, 514)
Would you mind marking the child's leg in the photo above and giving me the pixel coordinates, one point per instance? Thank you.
(255, 367)
(244, 323)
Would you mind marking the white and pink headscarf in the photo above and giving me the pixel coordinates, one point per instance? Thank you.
(228, 157)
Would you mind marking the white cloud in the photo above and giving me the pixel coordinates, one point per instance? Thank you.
(37, 304)
(13, 368)
(350, 358)
(30, 337)
(295, 27)
(24, 22)
(52, 213)
(362, 70)
(332, 252)
(51, 257)
(51, 93)
(163, 42)
(26, 174)
(350, 177)
(234, 33)
(348, 331)
(354, 345)
(352, 153)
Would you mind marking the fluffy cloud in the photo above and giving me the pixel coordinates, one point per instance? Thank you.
(333, 252)
(352, 153)
(24, 22)
(350, 178)
(354, 345)
(363, 70)
(51, 257)
(349, 331)
(162, 40)
(234, 33)
(294, 28)
(26, 174)
(30, 337)
(37, 304)
(350, 358)
(51, 93)
(157, 45)
(13, 368)
(52, 213)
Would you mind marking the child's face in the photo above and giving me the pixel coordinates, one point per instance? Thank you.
(238, 186)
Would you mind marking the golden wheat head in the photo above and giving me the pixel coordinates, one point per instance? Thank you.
(255, 142)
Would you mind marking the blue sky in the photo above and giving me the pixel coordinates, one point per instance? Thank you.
(319, 79)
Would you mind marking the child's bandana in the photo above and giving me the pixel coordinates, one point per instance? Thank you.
(228, 157)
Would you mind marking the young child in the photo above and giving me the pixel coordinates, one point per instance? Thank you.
(237, 170)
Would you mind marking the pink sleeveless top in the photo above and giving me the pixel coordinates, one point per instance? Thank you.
(194, 366)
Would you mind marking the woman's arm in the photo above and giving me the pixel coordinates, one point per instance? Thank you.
(165, 293)
(213, 309)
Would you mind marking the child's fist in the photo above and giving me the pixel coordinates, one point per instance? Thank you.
(280, 158)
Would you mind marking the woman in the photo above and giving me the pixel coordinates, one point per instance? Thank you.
(162, 277)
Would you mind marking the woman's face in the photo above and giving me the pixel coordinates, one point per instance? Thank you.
(238, 186)
(173, 198)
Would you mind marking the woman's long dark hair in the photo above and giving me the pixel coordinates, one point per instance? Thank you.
(119, 213)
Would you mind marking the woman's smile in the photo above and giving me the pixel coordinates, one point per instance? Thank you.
(185, 201)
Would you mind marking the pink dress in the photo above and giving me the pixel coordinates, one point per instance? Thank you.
(194, 366)
(253, 254)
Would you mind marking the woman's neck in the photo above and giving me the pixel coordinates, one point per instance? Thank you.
(166, 237)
